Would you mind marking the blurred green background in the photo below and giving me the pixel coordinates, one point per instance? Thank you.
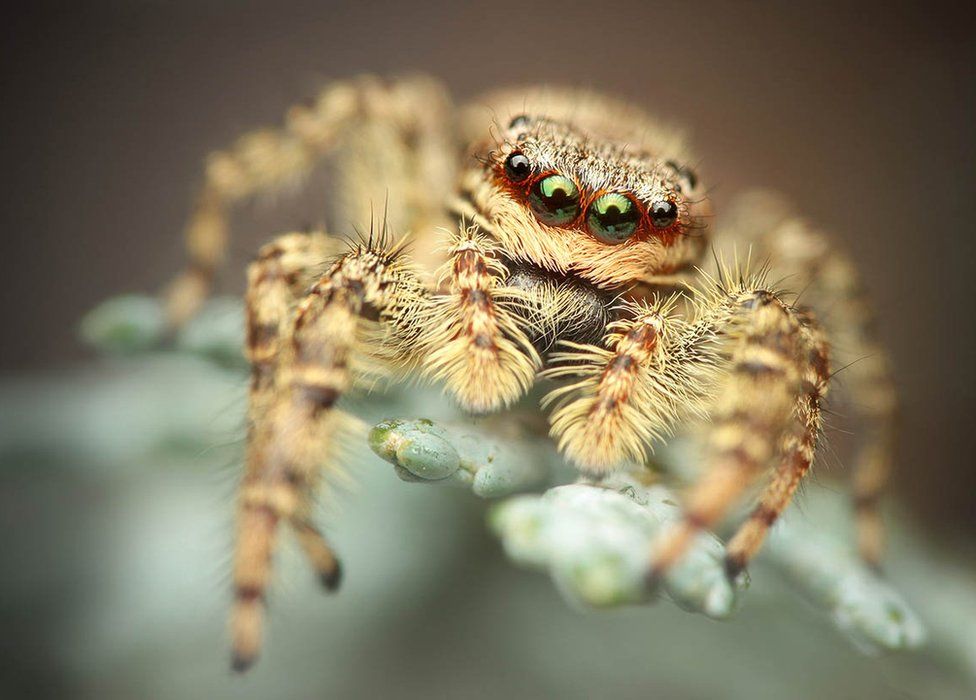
(117, 477)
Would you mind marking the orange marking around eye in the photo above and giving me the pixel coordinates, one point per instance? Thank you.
(645, 229)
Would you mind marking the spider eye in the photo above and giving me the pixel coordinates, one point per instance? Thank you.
(517, 167)
(613, 218)
(688, 179)
(555, 199)
(664, 213)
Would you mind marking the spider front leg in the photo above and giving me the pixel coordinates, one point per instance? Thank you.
(369, 307)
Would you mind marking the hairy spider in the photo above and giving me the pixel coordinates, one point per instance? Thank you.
(575, 220)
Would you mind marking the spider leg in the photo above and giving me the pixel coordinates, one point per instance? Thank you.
(742, 362)
(295, 428)
(797, 456)
(405, 145)
(275, 282)
(754, 405)
(831, 287)
(316, 547)
(369, 308)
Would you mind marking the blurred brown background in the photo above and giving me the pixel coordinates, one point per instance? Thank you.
(863, 115)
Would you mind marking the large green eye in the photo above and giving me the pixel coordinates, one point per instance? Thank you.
(555, 199)
(613, 218)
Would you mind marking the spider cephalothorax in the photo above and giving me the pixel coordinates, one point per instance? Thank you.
(577, 201)
(575, 218)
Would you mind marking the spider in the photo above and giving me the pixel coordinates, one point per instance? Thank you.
(575, 226)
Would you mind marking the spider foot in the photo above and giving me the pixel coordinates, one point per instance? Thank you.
(331, 580)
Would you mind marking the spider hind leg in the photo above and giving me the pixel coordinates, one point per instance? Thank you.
(392, 139)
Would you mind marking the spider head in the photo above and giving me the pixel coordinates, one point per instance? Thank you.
(568, 200)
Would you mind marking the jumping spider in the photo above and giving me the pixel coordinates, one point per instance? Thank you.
(572, 220)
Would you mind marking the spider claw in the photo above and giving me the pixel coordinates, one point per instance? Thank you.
(241, 662)
(653, 579)
(331, 580)
(875, 568)
(734, 566)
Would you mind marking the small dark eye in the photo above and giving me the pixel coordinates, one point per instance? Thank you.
(517, 167)
(663, 214)
(519, 122)
(555, 199)
(687, 176)
(613, 218)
